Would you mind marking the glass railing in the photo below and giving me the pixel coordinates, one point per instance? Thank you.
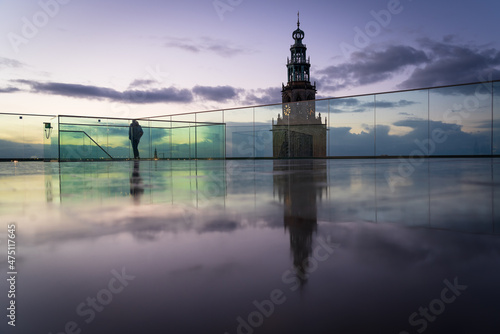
(108, 139)
(461, 120)
(28, 136)
(456, 120)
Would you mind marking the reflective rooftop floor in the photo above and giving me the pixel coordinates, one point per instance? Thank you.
(304, 246)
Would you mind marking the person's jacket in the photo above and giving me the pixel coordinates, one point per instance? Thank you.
(135, 131)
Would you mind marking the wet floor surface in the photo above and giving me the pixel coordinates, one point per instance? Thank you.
(305, 246)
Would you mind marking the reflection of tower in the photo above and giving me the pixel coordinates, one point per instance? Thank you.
(298, 132)
(299, 183)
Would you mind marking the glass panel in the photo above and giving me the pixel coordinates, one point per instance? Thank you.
(496, 118)
(183, 136)
(184, 118)
(210, 117)
(117, 142)
(33, 136)
(210, 138)
(181, 140)
(239, 133)
(89, 138)
(161, 139)
(402, 123)
(496, 151)
(12, 137)
(25, 137)
(460, 120)
(263, 139)
(351, 126)
(496, 195)
(76, 144)
(210, 141)
(80, 120)
(145, 147)
(323, 116)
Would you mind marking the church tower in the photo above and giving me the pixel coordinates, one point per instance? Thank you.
(299, 87)
(298, 132)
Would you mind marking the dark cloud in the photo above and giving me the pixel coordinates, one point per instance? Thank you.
(12, 63)
(347, 105)
(434, 63)
(219, 93)
(367, 67)
(138, 92)
(9, 90)
(454, 64)
(347, 102)
(142, 83)
(206, 44)
(184, 45)
(261, 96)
(165, 95)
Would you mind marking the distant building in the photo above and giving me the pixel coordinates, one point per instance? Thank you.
(298, 132)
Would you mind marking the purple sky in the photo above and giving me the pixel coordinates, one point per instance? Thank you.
(139, 58)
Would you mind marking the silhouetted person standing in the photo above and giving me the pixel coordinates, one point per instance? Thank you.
(134, 134)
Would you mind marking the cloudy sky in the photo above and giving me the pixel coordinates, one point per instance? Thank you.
(134, 58)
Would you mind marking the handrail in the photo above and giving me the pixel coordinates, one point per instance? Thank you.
(85, 133)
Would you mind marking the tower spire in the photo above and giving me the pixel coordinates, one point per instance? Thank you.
(299, 87)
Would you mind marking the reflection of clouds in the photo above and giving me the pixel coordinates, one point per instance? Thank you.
(347, 105)
(398, 247)
(20, 150)
(357, 190)
(343, 142)
(389, 104)
(219, 226)
(144, 222)
(348, 111)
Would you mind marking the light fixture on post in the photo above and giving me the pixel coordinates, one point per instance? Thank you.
(48, 129)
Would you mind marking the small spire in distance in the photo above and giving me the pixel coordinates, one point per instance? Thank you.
(298, 19)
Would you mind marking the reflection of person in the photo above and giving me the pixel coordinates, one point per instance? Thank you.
(134, 134)
(136, 185)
